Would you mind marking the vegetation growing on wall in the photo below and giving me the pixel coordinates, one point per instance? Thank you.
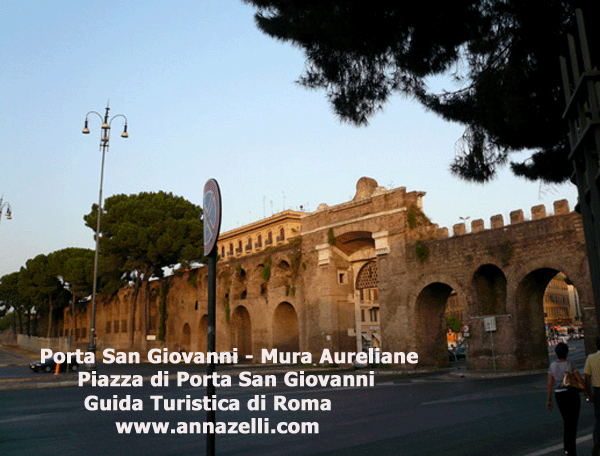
(266, 272)
(296, 263)
(331, 237)
(193, 277)
(421, 251)
(240, 271)
(415, 217)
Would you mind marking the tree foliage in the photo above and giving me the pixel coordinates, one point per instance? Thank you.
(13, 298)
(40, 286)
(75, 268)
(144, 233)
(503, 54)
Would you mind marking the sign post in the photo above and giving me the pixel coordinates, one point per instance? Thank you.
(212, 225)
(489, 324)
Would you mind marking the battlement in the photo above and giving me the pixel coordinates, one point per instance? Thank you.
(561, 207)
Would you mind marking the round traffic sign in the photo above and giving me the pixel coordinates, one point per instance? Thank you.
(212, 215)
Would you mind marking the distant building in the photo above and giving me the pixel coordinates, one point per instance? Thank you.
(561, 303)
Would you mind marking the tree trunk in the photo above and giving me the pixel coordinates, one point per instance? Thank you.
(147, 306)
(28, 322)
(50, 313)
(20, 318)
(15, 321)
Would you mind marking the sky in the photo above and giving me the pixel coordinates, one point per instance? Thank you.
(206, 95)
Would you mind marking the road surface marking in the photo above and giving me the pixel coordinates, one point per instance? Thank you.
(558, 447)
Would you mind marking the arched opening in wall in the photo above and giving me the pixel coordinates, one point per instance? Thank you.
(489, 286)
(241, 331)
(548, 309)
(186, 338)
(455, 320)
(366, 285)
(203, 334)
(286, 336)
(430, 328)
(352, 241)
(562, 310)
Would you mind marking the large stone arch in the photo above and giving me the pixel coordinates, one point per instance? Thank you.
(430, 306)
(241, 331)
(286, 334)
(531, 349)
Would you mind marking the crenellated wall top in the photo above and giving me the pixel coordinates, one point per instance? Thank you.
(561, 207)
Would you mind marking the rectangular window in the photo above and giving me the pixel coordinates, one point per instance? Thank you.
(374, 312)
(362, 314)
(108, 327)
(116, 326)
(124, 325)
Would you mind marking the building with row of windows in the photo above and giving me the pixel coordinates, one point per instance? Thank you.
(561, 303)
(258, 236)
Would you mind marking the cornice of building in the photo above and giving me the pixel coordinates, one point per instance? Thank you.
(287, 215)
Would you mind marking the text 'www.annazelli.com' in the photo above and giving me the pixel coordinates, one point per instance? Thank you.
(254, 426)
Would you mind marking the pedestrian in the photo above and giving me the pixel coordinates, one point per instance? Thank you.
(567, 399)
(591, 372)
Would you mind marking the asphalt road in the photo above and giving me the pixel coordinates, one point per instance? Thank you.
(440, 414)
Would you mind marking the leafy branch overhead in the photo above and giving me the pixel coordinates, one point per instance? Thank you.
(501, 54)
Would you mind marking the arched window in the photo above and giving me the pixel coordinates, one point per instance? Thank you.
(366, 282)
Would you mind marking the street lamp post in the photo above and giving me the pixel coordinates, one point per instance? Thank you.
(104, 141)
(6, 205)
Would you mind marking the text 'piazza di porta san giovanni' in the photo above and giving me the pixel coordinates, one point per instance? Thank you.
(372, 272)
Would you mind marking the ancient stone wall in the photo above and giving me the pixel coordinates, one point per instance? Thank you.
(303, 296)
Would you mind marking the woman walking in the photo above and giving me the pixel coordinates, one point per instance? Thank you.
(567, 399)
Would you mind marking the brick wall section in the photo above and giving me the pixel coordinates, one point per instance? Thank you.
(523, 253)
